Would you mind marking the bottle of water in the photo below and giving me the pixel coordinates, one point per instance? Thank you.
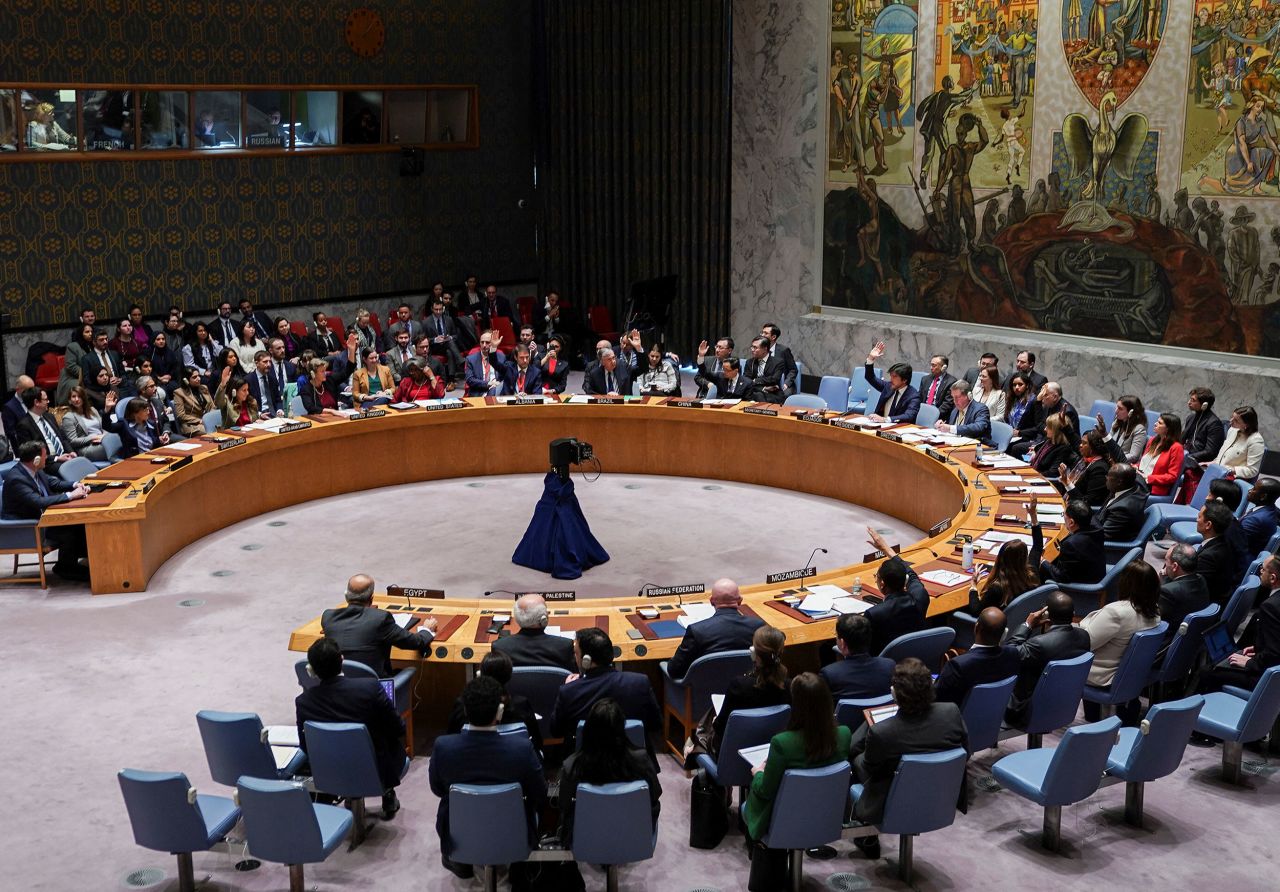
(966, 557)
(977, 453)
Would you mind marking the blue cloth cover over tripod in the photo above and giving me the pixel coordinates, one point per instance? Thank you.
(558, 540)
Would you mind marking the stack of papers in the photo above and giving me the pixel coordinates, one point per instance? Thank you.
(561, 633)
(722, 402)
(402, 619)
(820, 600)
(441, 402)
(271, 425)
(184, 446)
(864, 421)
(945, 577)
(695, 613)
(403, 406)
(1014, 478)
(850, 605)
(1000, 460)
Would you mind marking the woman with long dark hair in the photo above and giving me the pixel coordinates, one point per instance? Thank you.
(1011, 575)
(202, 353)
(81, 346)
(766, 685)
(1161, 461)
(1086, 481)
(1129, 429)
(165, 365)
(605, 757)
(1018, 399)
(191, 401)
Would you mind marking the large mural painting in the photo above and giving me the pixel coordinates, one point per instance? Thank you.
(1085, 242)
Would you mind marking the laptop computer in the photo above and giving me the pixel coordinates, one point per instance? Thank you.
(1218, 644)
(389, 688)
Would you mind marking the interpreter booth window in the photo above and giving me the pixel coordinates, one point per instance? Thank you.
(110, 120)
(49, 117)
(163, 117)
(448, 116)
(217, 122)
(8, 121)
(315, 118)
(361, 117)
(266, 119)
(407, 116)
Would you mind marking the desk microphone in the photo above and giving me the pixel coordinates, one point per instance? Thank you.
(644, 587)
(809, 564)
(502, 591)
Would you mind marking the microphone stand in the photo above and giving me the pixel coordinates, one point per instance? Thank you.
(809, 564)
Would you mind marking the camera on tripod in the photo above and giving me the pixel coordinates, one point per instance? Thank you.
(569, 451)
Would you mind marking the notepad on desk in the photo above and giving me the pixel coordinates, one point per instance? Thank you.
(184, 446)
(695, 613)
(850, 605)
(945, 577)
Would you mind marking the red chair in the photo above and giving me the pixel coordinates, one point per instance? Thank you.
(335, 325)
(49, 370)
(299, 330)
(601, 322)
(377, 326)
(502, 325)
(392, 318)
(526, 306)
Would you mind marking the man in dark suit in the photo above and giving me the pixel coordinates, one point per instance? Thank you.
(531, 645)
(262, 385)
(521, 376)
(608, 377)
(1031, 429)
(367, 634)
(856, 675)
(1202, 431)
(1026, 364)
(13, 410)
(1218, 561)
(921, 725)
(486, 367)
(726, 629)
(765, 373)
(593, 652)
(1081, 556)
(1260, 523)
(899, 402)
(790, 371)
(496, 305)
(443, 331)
(728, 380)
(39, 426)
(1183, 590)
(261, 321)
(480, 755)
(968, 418)
(1244, 667)
(1047, 635)
(222, 328)
(283, 369)
(405, 322)
(361, 700)
(1122, 514)
(987, 360)
(28, 491)
(103, 357)
(987, 661)
(712, 364)
(935, 388)
(901, 611)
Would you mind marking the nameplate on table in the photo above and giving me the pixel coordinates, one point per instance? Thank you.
(760, 410)
(964, 506)
(147, 487)
(889, 435)
(225, 443)
(432, 406)
(180, 463)
(606, 400)
(401, 591)
(935, 454)
(938, 527)
(846, 424)
(879, 553)
(811, 417)
(369, 413)
(663, 591)
(964, 478)
(292, 426)
(685, 404)
(553, 596)
(787, 575)
(525, 401)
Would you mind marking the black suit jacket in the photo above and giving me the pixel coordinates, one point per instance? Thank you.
(217, 332)
(942, 397)
(1202, 437)
(1081, 557)
(790, 371)
(897, 615)
(503, 308)
(485, 757)
(367, 634)
(271, 401)
(1181, 596)
(858, 677)
(877, 749)
(1091, 486)
(1037, 381)
(1216, 563)
(726, 629)
(981, 665)
(91, 364)
(908, 404)
(22, 498)
(27, 429)
(12, 411)
(766, 387)
(363, 701)
(1121, 518)
(631, 690)
(1035, 652)
(741, 388)
(534, 647)
(1266, 645)
(1032, 425)
(325, 343)
(593, 382)
(559, 379)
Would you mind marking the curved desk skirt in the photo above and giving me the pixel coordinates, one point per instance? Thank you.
(130, 538)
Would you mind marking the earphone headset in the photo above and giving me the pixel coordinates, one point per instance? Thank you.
(587, 662)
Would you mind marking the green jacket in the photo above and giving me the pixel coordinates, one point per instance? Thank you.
(786, 750)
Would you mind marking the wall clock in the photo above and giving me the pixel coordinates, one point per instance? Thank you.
(365, 32)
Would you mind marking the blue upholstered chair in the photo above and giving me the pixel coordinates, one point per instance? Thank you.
(1170, 514)
(284, 826)
(296, 407)
(111, 445)
(488, 827)
(19, 537)
(235, 746)
(633, 728)
(1152, 751)
(1015, 614)
(1091, 596)
(922, 798)
(850, 712)
(343, 764)
(1236, 717)
(1105, 408)
(1239, 604)
(927, 415)
(403, 683)
(808, 812)
(927, 646)
(862, 398)
(211, 420)
(1184, 647)
(1131, 674)
(1065, 775)
(1117, 549)
(168, 815)
(834, 389)
(612, 825)
(539, 684)
(983, 710)
(1056, 699)
(805, 401)
(745, 728)
(1001, 434)
(76, 469)
(686, 699)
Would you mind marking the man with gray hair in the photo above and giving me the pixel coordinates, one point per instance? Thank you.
(608, 377)
(1183, 590)
(969, 418)
(532, 645)
(726, 629)
(366, 633)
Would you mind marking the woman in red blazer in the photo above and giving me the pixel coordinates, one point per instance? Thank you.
(1161, 461)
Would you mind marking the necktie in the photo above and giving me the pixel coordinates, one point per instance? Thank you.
(279, 377)
(40, 485)
(933, 390)
(105, 358)
(893, 404)
(608, 382)
(265, 389)
(228, 334)
(51, 438)
(520, 382)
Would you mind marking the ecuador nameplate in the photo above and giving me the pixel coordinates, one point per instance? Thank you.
(811, 417)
